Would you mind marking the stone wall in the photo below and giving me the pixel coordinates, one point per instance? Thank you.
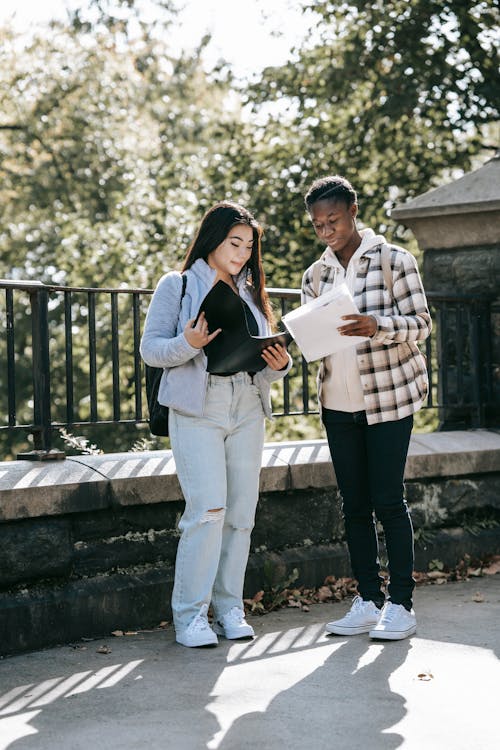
(475, 271)
(88, 544)
(463, 270)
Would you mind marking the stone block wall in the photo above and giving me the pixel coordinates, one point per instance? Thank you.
(463, 270)
(88, 544)
(471, 270)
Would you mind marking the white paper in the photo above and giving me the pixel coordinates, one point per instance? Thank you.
(314, 325)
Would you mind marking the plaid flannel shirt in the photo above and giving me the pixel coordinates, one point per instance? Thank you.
(392, 368)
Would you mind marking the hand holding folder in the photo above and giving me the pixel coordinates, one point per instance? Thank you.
(230, 351)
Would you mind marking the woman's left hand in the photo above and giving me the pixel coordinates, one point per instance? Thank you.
(362, 325)
(276, 356)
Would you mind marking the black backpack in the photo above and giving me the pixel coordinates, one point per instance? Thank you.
(158, 414)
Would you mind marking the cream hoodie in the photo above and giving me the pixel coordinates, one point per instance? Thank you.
(341, 388)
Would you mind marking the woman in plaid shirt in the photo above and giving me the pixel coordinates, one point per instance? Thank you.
(368, 394)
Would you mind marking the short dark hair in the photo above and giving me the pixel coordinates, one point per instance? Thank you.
(332, 187)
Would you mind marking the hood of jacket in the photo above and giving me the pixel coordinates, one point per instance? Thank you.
(369, 241)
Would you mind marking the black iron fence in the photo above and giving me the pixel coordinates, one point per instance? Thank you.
(71, 358)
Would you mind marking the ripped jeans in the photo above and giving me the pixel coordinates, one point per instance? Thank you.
(218, 459)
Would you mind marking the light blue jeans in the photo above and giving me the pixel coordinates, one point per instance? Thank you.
(218, 459)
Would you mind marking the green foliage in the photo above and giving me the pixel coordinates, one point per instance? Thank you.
(111, 148)
(393, 95)
(476, 520)
(436, 565)
(103, 144)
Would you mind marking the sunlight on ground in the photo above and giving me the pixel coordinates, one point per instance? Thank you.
(451, 694)
(372, 652)
(264, 679)
(15, 725)
(435, 680)
(438, 694)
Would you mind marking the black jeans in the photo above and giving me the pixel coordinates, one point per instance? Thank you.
(369, 463)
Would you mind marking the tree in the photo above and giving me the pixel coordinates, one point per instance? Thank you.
(394, 95)
(104, 141)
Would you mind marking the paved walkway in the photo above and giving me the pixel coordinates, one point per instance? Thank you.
(292, 687)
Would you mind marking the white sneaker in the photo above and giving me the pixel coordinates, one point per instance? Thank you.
(395, 623)
(198, 632)
(233, 625)
(360, 619)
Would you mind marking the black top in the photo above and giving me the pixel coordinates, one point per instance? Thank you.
(246, 325)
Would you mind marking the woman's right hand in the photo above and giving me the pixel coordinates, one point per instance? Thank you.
(198, 335)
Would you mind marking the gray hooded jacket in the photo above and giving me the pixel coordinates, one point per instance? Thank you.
(163, 344)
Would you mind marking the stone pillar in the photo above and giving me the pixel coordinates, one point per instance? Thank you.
(458, 228)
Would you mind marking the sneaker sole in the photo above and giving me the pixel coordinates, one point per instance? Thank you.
(198, 645)
(233, 636)
(341, 630)
(390, 635)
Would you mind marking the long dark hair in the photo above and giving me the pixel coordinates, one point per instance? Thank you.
(213, 230)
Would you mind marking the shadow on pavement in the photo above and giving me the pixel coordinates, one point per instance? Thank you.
(293, 686)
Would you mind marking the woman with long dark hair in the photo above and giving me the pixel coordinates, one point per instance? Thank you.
(216, 421)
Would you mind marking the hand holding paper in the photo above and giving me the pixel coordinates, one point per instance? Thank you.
(315, 325)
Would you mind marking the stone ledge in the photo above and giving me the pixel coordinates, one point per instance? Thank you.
(140, 597)
(86, 483)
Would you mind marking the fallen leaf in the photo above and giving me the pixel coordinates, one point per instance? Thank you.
(478, 597)
(476, 573)
(425, 676)
(324, 593)
(103, 650)
(493, 567)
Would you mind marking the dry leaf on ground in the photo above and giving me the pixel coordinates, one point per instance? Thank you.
(493, 566)
(103, 650)
(324, 593)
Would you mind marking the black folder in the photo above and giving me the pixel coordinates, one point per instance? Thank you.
(234, 349)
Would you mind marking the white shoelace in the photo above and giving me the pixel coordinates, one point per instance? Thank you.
(200, 622)
(389, 612)
(357, 604)
(237, 615)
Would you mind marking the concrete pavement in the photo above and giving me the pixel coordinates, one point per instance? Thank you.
(292, 687)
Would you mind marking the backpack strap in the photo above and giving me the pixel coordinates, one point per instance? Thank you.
(385, 260)
(316, 276)
(184, 281)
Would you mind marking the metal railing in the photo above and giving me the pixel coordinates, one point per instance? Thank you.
(71, 358)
